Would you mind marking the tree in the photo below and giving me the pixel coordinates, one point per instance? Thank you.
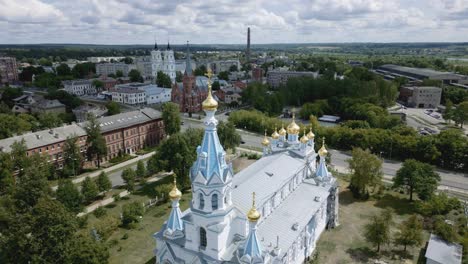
(49, 120)
(128, 175)
(163, 80)
(6, 173)
(103, 182)
(127, 60)
(224, 75)
(377, 231)
(216, 86)
(410, 232)
(69, 195)
(135, 76)
(98, 84)
(95, 141)
(228, 135)
(113, 108)
(417, 177)
(179, 76)
(72, 158)
(141, 169)
(87, 250)
(118, 74)
(200, 71)
(448, 113)
(131, 213)
(233, 68)
(63, 70)
(366, 172)
(82, 70)
(89, 190)
(171, 118)
(460, 114)
(444, 230)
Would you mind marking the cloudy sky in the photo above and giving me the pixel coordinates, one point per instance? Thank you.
(226, 21)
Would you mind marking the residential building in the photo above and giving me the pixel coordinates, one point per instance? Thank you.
(30, 103)
(130, 94)
(113, 68)
(108, 82)
(273, 211)
(181, 64)
(79, 87)
(104, 59)
(440, 251)
(8, 70)
(222, 65)
(144, 65)
(190, 93)
(124, 133)
(277, 78)
(257, 74)
(156, 95)
(421, 96)
(83, 111)
(48, 106)
(391, 71)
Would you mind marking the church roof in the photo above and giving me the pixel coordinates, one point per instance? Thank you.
(256, 178)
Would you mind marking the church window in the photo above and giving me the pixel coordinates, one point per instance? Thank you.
(202, 201)
(203, 240)
(214, 202)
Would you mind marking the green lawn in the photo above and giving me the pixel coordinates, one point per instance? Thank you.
(346, 244)
(139, 245)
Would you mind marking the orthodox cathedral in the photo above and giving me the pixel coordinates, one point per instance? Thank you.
(271, 212)
(163, 60)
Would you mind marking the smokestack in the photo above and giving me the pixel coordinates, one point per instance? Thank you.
(247, 55)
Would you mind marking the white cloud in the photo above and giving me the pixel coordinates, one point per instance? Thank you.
(28, 11)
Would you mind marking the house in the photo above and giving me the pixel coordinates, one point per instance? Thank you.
(440, 251)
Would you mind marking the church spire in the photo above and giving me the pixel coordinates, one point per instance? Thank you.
(168, 46)
(188, 65)
(252, 248)
(322, 171)
(155, 45)
(174, 225)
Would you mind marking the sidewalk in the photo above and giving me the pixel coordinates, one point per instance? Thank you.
(90, 208)
(94, 174)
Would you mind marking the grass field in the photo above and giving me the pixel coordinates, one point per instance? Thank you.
(346, 243)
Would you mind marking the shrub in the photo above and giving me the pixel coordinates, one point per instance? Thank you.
(162, 191)
(106, 226)
(100, 212)
(131, 213)
(439, 204)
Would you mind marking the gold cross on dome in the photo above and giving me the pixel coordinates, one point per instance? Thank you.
(209, 74)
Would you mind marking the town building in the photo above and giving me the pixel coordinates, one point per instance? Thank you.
(144, 65)
(30, 103)
(182, 64)
(112, 68)
(124, 133)
(163, 60)
(190, 93)
(277, 78)
(222, 65)
(391, 71)
(156, 95)
(130, 94)
(273, 211)
(83, 111)
(257, 74)
(8, 70)
(108, 82)
(104, 59)
(79, 87)
(440, 251)
(421, 96)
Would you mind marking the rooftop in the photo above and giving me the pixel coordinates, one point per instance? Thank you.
(442, 251)
(418, 71)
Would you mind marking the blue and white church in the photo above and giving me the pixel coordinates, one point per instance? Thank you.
(273, 211)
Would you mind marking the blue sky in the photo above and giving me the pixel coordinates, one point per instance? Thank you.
(226, 21)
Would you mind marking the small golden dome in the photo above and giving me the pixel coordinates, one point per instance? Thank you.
(323, 151)
(311, 134)
(293, 128)
(304, 138)
(253, 215)
(265, 141)
(275, 134)
(175, 193)
(210, 103)
(282, 131)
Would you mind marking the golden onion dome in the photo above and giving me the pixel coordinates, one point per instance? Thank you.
(175, 193)
(265, 141)
(282, 131)
(210, 103)
(304, 139)
(293, 128)
(323, 151)
(275, 134)
(253, 215)
(311, 134)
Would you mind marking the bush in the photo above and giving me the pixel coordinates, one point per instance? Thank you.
(162, 191)
(131, 213)
(100, 212)
(106, 226)
(439, 204)
(116, 197)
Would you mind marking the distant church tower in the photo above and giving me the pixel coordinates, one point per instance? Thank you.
(163, 61)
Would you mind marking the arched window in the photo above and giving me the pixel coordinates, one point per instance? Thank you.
(202, 201)
(203, 240)
(214, 202)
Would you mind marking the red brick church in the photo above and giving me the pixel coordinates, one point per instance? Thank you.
(189, 94)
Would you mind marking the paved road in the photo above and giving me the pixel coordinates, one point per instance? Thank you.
(339, 158)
